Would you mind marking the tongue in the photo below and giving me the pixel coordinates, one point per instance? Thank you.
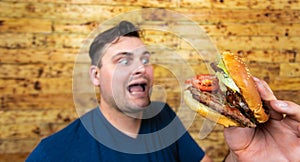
(136, 88)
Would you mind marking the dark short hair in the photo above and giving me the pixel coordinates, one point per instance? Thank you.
(124, 28)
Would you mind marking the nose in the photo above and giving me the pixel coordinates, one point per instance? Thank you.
(140, 70)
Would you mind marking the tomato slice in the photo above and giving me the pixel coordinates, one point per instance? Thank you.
(205, 82)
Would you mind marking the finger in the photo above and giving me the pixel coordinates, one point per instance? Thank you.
(267, 95)
(273, 114)
(264, 90)
(233, 137)
(292, 110)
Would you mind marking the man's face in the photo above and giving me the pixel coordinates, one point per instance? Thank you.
(126, 76)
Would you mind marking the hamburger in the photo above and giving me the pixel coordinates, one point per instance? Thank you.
(228, 97)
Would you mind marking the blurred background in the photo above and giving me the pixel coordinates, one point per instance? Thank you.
(41, 39)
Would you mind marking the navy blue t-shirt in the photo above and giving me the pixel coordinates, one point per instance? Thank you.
(161, 138)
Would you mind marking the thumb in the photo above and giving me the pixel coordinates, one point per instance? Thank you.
(264, 90)
(267, 96)
(233, 137)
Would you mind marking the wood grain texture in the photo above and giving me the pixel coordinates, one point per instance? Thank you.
(41, 48)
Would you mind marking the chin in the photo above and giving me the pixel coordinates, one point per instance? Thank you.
(134, 109)
(143, 104)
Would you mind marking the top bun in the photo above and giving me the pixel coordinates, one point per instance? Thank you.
(240, 74)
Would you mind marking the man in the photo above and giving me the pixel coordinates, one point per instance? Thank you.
(128, 127)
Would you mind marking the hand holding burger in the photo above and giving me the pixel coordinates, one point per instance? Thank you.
(253, 131)
(276, 140)
(229, 97)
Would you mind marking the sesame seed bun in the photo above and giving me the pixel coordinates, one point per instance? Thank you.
(240, 74)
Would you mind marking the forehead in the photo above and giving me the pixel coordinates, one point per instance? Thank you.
(126, 44)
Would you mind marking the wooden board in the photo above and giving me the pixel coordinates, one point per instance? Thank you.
(42, 42)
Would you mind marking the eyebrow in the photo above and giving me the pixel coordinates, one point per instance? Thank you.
(130, 54)
(146, 53)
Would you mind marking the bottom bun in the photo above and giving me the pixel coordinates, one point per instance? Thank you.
(207, 112)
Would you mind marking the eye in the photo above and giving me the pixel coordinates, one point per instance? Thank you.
(124, 61)
(145, 60)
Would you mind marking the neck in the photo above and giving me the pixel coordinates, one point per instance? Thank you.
(127, 124)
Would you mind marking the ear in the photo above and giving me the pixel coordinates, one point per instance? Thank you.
(94, 72)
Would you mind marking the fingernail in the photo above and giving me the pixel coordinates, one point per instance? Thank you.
(281, 104)
(255, 79)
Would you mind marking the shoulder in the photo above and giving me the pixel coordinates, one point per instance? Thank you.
(73, 130)
(72, 133)
(63, 143)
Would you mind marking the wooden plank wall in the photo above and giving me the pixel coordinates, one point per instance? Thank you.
(40, 40)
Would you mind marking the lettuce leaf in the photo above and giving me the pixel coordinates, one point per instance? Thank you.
(225, 78)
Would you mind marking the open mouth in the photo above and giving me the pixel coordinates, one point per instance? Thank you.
(137, 88)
